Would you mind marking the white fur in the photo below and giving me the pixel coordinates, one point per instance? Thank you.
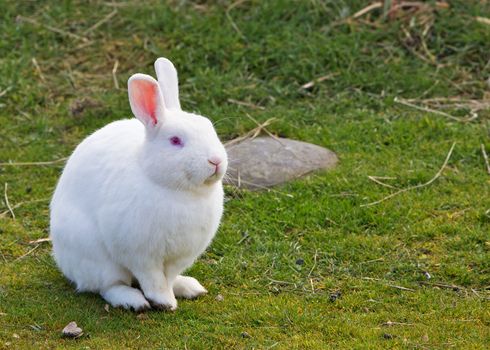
(130, 205)
(188, 287)
(167, 78)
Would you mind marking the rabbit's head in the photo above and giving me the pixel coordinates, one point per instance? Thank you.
(181, 150)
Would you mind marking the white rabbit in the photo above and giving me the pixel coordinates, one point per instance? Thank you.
(140, 199)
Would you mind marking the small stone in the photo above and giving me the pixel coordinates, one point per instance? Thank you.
(263, 162)
(106, 307)
(300, 262)
(72, 330)
(15, 335)
(246, 335)
(334, 296)
(219, 297)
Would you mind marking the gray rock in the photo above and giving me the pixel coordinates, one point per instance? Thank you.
(265, 161)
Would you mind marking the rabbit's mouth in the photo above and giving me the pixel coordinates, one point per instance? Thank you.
(215, 177)
(212, 179)
(219, 170)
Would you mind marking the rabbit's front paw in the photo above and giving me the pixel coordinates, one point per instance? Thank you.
(162, 301)
(188, 287)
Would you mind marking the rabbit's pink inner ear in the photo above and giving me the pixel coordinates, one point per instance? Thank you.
(145, 98)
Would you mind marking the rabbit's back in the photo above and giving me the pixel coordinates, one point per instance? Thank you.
(104, 155)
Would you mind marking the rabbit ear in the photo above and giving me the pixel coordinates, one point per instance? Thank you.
(145, 99)
(168, 81)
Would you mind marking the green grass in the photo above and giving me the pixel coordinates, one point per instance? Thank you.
(261, 52)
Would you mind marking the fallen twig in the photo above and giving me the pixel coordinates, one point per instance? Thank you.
(485, 157)
(421, 56)
(265, 188)
(245, 236)
(401, 288)
(233, 24)
(53, 29)
(317, 80)
(416, 5)
(117, 4)
(263, 128)
(34, 163)
(436, 176)
(428, 54)
(454, 288)
(4, 91)
(376, 179)
(411, 7)
(372, 261)
(26, 254)
(5, 189)
(391, 324)
(454, 102)
(367, 9)
(425, 109)
(114, 76)
(2, 214)
(478, 294)
(38, 69)
(99, 23)
(314, 263)
(483, 20)
(281, 282)
(246, 104)
(40, 240)
(442, 285)
(387, 283)
(251, 134)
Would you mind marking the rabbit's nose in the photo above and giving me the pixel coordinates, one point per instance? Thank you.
(214, 160)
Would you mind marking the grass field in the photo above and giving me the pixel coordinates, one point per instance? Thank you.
(308, 265)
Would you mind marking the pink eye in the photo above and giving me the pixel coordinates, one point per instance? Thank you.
(176, 141)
